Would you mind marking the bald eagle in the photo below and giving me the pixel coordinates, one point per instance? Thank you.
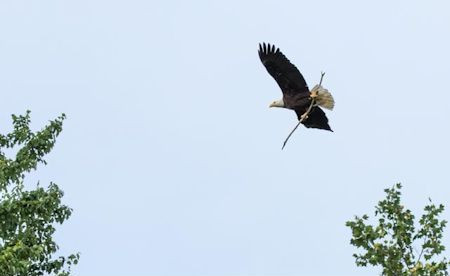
(296, 94)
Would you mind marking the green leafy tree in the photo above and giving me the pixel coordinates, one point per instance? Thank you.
(395, 244)
(28, 217)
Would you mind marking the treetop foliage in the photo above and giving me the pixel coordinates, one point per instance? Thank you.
(28, 218)
(395, 243)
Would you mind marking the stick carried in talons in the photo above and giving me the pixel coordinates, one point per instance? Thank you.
(305, 115)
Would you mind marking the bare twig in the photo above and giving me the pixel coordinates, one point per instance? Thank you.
(321, 77)
(304, 116)
(420, 255)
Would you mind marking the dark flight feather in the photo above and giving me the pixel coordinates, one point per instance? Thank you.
(316, 118)
(282, 70)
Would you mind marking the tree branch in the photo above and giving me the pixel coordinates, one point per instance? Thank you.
(302, 118)
(421, 252)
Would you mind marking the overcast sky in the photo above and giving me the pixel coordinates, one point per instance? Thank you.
(170, 156)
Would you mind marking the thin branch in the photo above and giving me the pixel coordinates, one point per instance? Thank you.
(421, 252)
(420, 256)
(321, 77)
(304, 116)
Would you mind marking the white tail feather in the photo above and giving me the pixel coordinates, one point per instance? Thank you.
(324, 98)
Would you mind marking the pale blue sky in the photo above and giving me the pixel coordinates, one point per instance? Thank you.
(170, 155)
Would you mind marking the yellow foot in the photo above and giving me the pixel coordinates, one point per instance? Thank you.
(313, 94)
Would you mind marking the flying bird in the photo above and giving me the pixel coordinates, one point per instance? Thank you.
(296, 94)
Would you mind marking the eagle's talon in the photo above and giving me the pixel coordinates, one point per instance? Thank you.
(304, 117)
(313, 94)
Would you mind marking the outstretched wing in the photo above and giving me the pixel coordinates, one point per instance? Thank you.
(282, 70)
(316, 118)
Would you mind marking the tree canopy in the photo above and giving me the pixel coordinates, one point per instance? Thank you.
(28, 217)
(396, 243)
